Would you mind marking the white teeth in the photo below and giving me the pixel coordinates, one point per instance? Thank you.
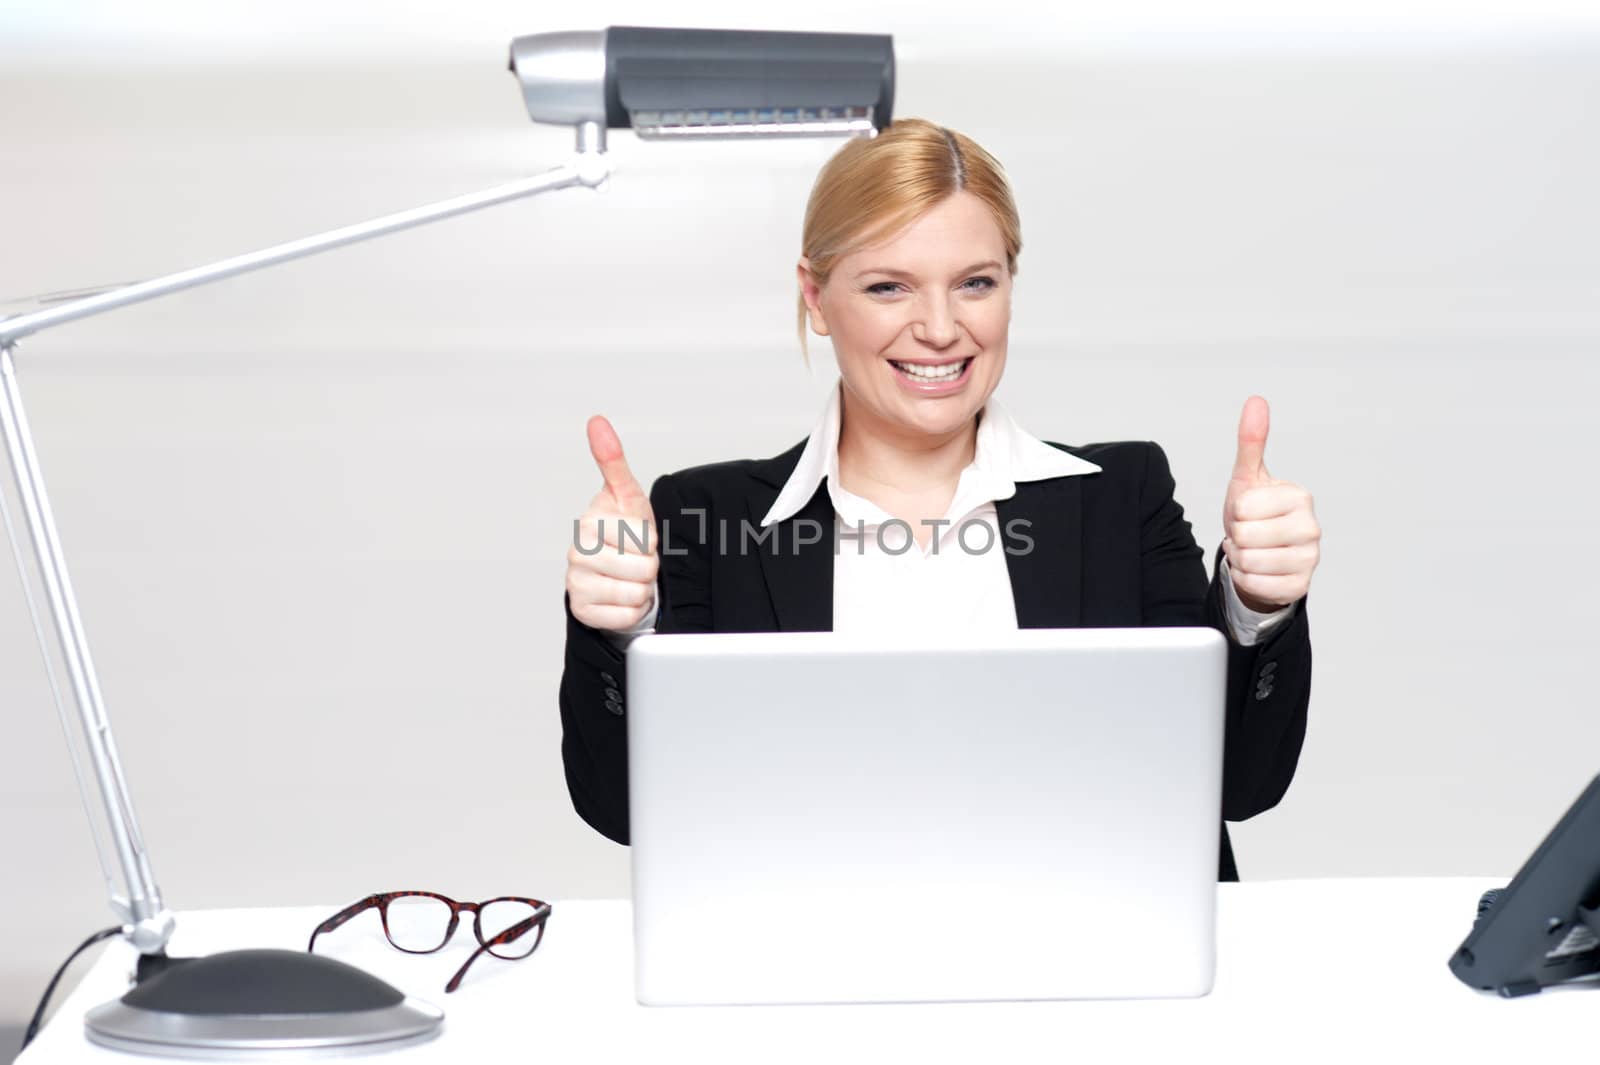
(948, 372)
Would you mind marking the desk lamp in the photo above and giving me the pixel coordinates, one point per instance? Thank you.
(660, 83)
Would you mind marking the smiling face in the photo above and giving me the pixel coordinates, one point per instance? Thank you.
(919, 322)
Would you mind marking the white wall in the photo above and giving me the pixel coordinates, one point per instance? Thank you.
(317, 516)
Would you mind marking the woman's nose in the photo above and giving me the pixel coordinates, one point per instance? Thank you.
(936, 326)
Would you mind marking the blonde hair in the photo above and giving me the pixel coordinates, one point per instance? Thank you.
(874, 187)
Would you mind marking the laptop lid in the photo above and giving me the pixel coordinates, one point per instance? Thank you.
(818, 817)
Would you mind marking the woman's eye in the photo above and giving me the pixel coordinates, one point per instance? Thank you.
(971, 284)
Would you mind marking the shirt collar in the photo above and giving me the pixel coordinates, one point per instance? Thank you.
(1004, 455)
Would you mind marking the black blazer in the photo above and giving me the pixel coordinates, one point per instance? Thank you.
(1111, 549)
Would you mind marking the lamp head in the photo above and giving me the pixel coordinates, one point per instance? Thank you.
(670, 83)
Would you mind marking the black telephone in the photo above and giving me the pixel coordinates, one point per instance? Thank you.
(1544, 927)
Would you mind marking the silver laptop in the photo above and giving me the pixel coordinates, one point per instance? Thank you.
(818, 817)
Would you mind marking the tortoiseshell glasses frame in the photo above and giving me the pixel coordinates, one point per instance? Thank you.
(510, 942)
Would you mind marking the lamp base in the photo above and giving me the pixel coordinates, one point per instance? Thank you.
(246, 1004)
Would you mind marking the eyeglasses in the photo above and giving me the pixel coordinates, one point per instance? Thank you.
(420, 922)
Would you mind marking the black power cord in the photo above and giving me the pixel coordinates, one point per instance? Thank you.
(44, 1003)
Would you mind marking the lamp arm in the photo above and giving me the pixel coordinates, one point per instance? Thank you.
(589, 167)
(147, 922)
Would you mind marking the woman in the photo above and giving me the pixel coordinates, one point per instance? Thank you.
(918, 501)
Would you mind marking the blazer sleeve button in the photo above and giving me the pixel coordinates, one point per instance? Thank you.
(612, 693)
(614, 706)
(611, 682)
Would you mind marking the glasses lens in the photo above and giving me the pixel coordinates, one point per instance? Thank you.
(418, 922)
(502, 914)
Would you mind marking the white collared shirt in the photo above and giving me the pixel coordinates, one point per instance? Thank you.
(882, 578)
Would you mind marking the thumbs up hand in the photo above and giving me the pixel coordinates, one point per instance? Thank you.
(1271, 537)
(612, 561)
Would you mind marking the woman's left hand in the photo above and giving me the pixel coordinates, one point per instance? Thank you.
(1270, 532)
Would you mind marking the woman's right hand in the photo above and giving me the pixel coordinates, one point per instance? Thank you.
(613, 589)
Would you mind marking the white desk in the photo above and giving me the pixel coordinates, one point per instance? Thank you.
(1315, 970)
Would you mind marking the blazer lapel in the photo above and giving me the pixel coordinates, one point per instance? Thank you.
(1046, 576)
(799, 575)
